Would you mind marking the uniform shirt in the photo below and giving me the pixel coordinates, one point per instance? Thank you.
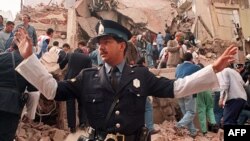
(120, 68)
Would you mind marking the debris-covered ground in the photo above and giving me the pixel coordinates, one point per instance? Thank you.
(40, 132)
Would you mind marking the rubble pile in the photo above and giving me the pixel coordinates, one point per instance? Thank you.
(169, 134)
(211, 49)
(47, 16)
(31, 131)
(40, 132)
(165, 109)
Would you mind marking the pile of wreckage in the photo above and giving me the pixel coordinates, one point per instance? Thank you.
(204, 18)
(213, 34)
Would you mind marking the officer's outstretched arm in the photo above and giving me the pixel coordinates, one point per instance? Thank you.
(205, 78)
(32, 69)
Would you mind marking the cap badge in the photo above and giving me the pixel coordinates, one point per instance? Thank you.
(101, 29)
(73, 79)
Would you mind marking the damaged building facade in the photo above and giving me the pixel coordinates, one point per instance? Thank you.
(217, 23)
(138, 16)
(47, 16)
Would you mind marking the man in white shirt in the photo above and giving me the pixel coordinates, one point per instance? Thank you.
(233, 95)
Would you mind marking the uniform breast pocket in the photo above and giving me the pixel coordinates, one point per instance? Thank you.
(136, 101)
(95, 105)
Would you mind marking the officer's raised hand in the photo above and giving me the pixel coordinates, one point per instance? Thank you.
(226, 58)
(23, 42)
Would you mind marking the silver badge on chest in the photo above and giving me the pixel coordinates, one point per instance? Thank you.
(136, 83)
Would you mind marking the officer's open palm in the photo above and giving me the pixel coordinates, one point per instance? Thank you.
(24, 43)
(225, 59)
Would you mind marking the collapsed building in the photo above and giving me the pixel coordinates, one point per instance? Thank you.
(210, 21)
(217, 23)
(47, 16)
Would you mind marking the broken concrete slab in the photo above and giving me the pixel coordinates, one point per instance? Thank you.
(81, 7)
(154, 14)
(88, 25)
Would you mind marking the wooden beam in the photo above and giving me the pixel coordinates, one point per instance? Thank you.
(205, 26)
(194, 24)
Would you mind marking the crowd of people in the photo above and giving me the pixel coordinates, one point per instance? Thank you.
(110, 79)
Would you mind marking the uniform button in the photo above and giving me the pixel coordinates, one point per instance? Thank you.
(117, 112)
(138, 95)
(117, 101)
(118, 125)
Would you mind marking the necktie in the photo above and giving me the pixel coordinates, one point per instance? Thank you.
(114, 78)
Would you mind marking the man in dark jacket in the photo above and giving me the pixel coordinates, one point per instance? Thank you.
(12, 85)
(76, 62)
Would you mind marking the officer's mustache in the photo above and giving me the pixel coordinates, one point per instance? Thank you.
(103, 51)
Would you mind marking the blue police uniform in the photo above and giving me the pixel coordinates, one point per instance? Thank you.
(92, 87)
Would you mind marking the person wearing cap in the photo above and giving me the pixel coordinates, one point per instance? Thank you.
(129, 85)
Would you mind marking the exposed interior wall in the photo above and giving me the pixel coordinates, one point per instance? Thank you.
(201, 8)
(245, 21)
(225, 18)
(111, 15)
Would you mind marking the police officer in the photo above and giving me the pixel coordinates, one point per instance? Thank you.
(93, 86)
(12, 85)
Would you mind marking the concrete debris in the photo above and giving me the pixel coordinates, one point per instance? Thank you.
(88, 25)
(47, 16)
(156, 15)
(103, 5)
(31, 131)
(168, 134)
(81, 7)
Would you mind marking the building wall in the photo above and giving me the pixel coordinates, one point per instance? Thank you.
(202, 8)
(245, 22)
(35, 2)
(67, 3)
(227, 18)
